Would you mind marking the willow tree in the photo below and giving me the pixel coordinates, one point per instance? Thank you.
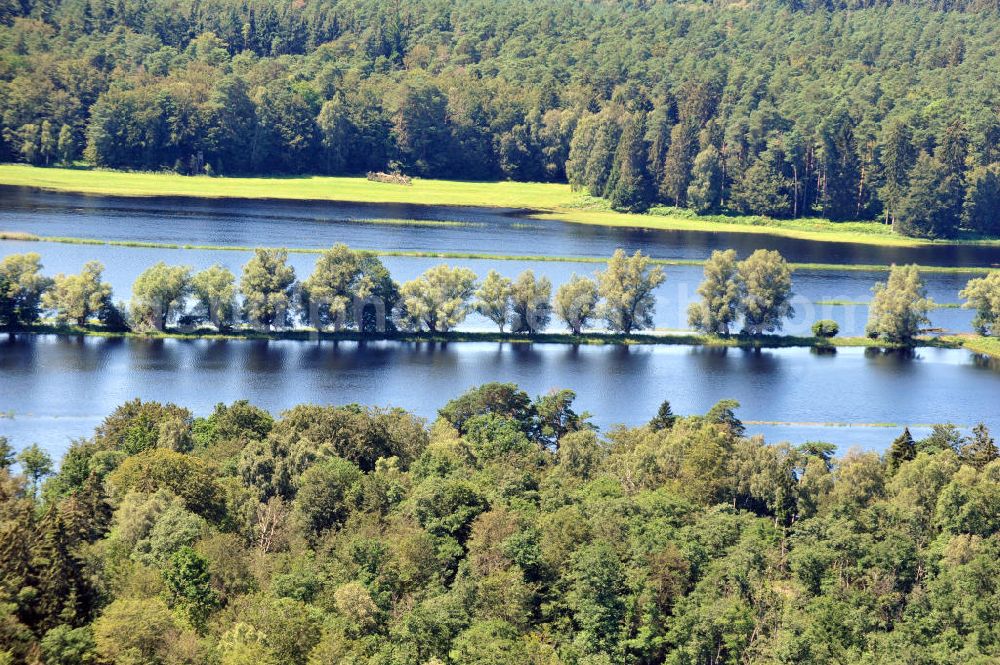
(899, 306)
(766, 291)
(493, 298)
(720, 295)
(77, 298)
(267, 285)
(438, 300)
(627, 287)
(159, 293)
(576, 302)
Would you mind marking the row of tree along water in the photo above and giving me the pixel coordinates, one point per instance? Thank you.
(353, 290)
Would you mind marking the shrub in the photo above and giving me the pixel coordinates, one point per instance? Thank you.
(825, 328)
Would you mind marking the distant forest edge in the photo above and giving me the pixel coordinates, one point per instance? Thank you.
(783, 109)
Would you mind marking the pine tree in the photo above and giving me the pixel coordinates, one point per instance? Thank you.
(664, 419)
(629, 186)
(903, 449)
(704, 194)
(840, 167)
(981, 449)
(677, 165)
(929, 208)
(981, 210)
(898, 156)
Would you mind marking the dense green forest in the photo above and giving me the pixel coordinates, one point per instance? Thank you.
(508, 531)
(849, 110)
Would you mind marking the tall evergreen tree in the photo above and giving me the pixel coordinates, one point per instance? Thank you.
(897, 158)
(629, 186)
(932, 203)
(677, 164)
(840, 167)
(902, 449)
(704, 194)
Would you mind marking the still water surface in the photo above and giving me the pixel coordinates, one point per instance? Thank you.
(320, 224)
(59, 387)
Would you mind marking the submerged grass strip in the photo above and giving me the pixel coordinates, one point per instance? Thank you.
(974, 343)
(541, 201)
(852, 267)
(852, 303)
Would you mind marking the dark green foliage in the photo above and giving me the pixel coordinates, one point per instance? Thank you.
(724, 413)
(664, 418)
(629, 187)
(980, 449)
(903, 449)
(189, 585)
(762, 190)
(326, 495)
(502, 399)
(942, 437)
(931, 206)
(981, 212)
(135, 426)
(665, 102)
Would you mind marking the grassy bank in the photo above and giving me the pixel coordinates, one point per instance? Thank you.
(974, 343)
(549, 201)
(30, 237)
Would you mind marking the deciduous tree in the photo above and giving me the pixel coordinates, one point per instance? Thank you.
(493, 298)
(158, 295)
(899, 306)
(627, 287)
(438, 300)
(576, 302)
(720, 294)
(766, 291)
(266, 285)
(77, 298)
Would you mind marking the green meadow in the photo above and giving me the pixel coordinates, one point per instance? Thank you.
(545, 201)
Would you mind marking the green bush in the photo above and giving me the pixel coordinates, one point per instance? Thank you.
(825, 328)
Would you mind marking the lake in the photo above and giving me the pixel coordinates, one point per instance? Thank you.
(61, 387)
(320, 224)
(57, 388)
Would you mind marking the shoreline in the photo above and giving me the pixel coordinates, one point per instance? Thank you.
(973, 343)
(540, 201)
(17, 236)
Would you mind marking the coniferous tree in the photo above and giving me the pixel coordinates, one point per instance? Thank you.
(897, 157)
(677, 164)
(704, 194)
(840, 166)
(664, 419)
(981, 211)
(902, 449)
(931, 206)
(981, 449)
(629, 186)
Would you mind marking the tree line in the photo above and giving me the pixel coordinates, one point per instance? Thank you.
(785, 109)
(352, 290)
(509, 531)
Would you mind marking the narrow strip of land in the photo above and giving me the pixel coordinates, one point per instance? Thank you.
(975, 343)
(546, 201)
(449, 255)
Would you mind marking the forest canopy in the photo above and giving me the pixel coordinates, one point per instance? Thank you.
(786, 109)
(508, 531)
